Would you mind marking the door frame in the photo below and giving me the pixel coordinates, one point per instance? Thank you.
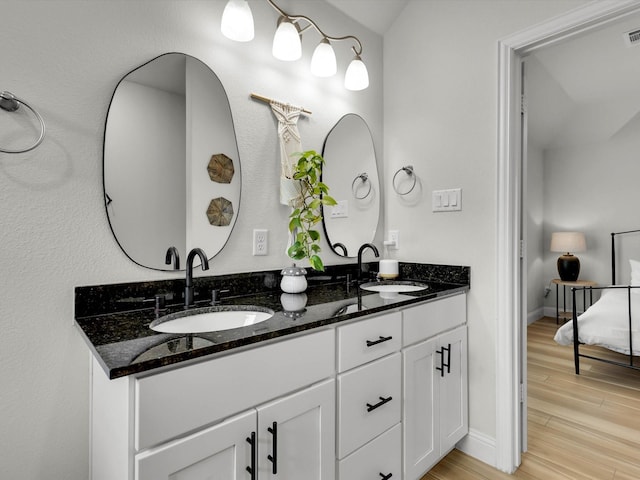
(510, 353)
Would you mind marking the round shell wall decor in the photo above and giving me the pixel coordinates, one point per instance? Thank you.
(220, 168)
(220, 212)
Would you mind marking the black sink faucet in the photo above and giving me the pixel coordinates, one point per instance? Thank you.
(360, 251)
(172, 252)
(188, 286)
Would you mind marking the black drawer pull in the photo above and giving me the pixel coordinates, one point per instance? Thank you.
(252, 469)
(371, 343)
(379, 404)
(274, 457)
(443, 363)
(387, 476)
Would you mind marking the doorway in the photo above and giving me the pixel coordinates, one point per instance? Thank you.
(511, 296)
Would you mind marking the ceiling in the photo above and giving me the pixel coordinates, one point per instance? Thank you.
(376, 15)
(584, 88)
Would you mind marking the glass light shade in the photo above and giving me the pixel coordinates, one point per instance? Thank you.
(286, 42)
(237, 21)
(323, 62)
(568, 242)
(357, 77)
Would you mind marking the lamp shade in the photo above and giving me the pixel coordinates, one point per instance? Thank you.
(357, 76)
(323, 62)
(568, 242)
(237, 21)
(286, 42)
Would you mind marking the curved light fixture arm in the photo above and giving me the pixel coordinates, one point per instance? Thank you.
(357, 49)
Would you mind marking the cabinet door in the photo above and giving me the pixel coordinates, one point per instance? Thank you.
(296, 438)
(221, 452)
(454, 416)
(420, 433)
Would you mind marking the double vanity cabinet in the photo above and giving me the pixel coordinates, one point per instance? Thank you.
(382, 396)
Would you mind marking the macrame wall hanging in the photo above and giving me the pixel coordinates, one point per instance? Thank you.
(290, 143)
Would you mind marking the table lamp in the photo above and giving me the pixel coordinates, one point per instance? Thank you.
(568, 243)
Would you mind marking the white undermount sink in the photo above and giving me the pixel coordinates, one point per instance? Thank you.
(392, 286)
(211, 319)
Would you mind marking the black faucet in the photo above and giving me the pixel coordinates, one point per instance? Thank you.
(362, 249)
(188, 286)
(172, 252)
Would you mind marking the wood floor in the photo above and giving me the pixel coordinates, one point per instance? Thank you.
(581, 427)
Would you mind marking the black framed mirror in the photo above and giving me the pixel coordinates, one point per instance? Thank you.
(351, 172)
(171, 165)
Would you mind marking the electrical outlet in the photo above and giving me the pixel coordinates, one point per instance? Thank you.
(260, 242)
(394, 237)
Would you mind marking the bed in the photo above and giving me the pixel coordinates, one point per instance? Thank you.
(612, 322)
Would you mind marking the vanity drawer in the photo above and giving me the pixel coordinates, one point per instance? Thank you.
(170, 404)
(376, 460)
(430, 319)
(368, 402)
(362, 342)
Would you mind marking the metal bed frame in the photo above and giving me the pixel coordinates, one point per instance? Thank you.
(574, 290)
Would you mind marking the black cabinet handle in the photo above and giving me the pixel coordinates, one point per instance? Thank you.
(252, 469)
(442, 362)
(382, 401)
(273, 458)
(387, 476)
(371, 343)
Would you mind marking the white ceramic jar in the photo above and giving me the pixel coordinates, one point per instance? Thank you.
(294, 279)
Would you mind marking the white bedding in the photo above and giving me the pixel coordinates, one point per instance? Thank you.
(606, 323)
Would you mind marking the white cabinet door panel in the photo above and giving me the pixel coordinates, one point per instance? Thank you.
(217, 453)
(421, 444)
(454, 416)
(298, 433)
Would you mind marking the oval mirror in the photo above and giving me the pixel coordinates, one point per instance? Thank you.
(171, 164)
(351, 173)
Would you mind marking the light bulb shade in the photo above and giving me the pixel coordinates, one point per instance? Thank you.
(237, 21)
(286, 42)
(568, 242)
(323, 62)
(357, 77)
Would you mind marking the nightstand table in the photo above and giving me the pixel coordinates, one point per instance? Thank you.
(564, 314)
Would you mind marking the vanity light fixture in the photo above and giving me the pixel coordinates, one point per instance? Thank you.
(287, 43)
(237, 21)
(323, 62)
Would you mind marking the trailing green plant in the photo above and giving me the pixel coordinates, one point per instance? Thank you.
(307, 212)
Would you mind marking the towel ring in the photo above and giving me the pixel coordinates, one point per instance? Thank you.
(364, 178)
(10, 103)
(409, 171)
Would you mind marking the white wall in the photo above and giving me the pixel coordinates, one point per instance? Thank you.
(594, 189)
(65, 58)
(534, 235)
(441, 87)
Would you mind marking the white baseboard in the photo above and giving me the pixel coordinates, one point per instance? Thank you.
(480, 446)
(537, 314)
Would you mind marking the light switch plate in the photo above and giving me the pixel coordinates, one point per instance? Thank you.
(446, 200)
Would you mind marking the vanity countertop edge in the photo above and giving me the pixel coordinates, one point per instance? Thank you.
(124, 345)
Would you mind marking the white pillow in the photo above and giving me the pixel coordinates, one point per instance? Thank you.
(635, 272)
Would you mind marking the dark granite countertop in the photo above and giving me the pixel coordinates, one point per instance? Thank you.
(114, 319)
